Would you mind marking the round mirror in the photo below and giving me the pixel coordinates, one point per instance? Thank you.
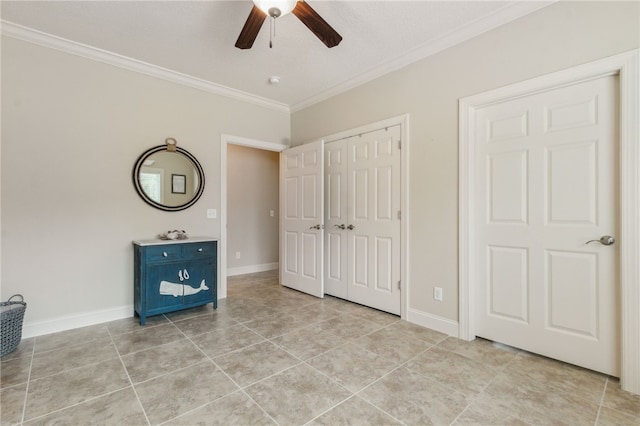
(169, 181)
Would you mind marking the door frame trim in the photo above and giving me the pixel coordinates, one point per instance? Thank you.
(403, 122)
(226, 139)
(627, 67)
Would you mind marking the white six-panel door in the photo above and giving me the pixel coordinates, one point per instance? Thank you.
(362, 176)
(546, 176)
(302, 211)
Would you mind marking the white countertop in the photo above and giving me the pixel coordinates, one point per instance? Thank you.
(158, 241)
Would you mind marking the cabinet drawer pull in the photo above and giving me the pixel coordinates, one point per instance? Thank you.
(164, 254)
(200, 249)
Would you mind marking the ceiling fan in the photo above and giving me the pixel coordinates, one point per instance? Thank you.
(275, 9)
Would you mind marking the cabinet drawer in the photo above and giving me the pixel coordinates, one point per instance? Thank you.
(199, 250)
(168, 252)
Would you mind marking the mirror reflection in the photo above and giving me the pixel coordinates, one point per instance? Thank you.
(168, 180)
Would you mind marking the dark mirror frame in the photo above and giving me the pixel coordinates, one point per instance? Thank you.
(136, 182)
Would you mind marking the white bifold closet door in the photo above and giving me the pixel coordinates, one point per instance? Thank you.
(302, 214)
(362, 219)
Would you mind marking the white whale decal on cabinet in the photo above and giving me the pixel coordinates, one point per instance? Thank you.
(172, 289)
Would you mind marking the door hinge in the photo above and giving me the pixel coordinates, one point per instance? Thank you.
(399, 215)
(398, 285)
(399, 143)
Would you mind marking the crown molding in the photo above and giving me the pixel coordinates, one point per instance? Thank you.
(500, 17)
(30, 35)
(494, 20)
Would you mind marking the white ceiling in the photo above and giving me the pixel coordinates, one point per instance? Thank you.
(197, 38)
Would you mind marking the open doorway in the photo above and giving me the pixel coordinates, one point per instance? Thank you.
(252, 210)
(249, 182)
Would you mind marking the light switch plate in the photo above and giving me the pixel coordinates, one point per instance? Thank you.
(437, 293)
(212, 214)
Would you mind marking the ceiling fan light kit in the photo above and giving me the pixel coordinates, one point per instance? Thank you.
(275, 8)
(278, 8)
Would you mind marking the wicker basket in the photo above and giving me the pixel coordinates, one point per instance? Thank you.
(11, 316)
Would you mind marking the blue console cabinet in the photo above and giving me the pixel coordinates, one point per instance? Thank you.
(174, 275)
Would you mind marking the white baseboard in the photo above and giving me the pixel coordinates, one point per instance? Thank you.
(434, 322)
(54, 325)
(251, 269)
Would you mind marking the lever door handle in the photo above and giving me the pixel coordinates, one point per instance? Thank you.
(341, 226)
(315, 227)
(605, 240)
(351, 227)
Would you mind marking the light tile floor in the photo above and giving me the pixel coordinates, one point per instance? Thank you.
(269, 355)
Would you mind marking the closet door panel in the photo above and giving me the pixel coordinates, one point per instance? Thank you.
(335, 233)
(302, 201)
(374, 234)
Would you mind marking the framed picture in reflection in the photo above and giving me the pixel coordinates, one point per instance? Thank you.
(178, 184)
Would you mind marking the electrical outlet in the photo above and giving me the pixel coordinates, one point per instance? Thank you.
(212, 214)
(272, 213)
(437, 293)
(237, 255)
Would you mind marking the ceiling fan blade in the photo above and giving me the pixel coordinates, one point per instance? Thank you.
(316, 24)
(251, 28)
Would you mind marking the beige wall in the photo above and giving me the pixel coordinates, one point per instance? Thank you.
(554, 38)
(252, 192)
(72, 130)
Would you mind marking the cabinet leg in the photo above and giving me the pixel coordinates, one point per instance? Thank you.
(142, 318)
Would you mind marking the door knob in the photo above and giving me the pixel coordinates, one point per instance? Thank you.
(605, 240)
(351, 227)
(341, 226)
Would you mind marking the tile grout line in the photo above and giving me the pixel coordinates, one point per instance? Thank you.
(48, 351)
(475, 398)
(353, 395)
(167, 373)
(71, 369)
(135, 392)
(523, 352)
(404, 365)
(26, 391)
(240, 388)
(29, 380)
(302, 361)
(604, 391)
(58, 410)
(347, 342)
(373, 383)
